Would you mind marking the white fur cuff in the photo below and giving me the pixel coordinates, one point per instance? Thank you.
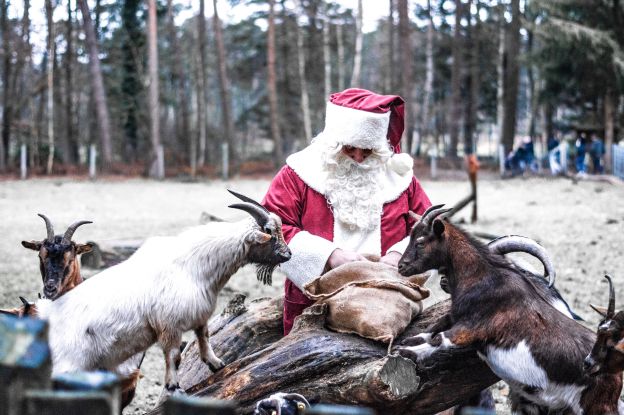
(309, 256)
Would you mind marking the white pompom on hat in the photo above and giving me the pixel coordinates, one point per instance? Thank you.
(363, 119)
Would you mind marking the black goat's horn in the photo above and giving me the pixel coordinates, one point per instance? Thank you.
(247, 199)
(72, 228)
(611, 309)
(432, 213)
(49, 227)
(516, 243)
(261, 215)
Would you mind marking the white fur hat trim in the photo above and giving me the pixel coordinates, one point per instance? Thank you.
(351, 127)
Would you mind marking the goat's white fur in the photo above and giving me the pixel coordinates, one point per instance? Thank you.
(170, 285)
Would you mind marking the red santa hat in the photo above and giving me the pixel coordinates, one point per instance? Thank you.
(363, 119)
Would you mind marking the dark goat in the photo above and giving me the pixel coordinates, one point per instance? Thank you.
(58, 259)
(607, 355)
(502, 313)
(282, 404)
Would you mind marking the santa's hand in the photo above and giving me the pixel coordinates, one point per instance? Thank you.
(341, 256)
(391, 258)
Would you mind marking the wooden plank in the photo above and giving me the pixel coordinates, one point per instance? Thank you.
(47, 402)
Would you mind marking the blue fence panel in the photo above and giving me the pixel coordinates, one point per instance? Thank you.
(618, 161)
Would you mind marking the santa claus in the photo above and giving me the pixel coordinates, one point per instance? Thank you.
(348, 193)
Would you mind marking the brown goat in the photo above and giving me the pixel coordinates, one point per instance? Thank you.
(499, 311)
(58, 259)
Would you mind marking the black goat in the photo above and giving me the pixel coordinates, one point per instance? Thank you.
(501, 312)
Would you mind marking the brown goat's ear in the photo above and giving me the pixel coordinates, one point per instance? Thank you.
(34, 245)
(619, 346)
(261, 237)
(84, 248)
(600, 310)
(438, 227)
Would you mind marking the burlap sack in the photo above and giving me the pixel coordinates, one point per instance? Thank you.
(369, 299)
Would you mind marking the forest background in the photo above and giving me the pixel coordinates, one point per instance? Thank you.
(168, 88)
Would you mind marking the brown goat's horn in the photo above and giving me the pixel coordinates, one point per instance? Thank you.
(260, 215)
(432, 213)
(516, 243)
(611, 309)
(70, 231)
(49, 227)
(247, 199)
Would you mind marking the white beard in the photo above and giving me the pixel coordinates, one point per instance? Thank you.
(353, 191)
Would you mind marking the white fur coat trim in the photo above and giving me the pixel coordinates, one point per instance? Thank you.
(309, 167)
(309, 256)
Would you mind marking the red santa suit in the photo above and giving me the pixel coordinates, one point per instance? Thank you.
(297, 196)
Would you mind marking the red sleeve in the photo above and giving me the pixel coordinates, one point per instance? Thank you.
(285, 199)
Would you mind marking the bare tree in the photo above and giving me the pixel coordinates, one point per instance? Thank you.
(272, 88)
(6, 76)
(202, 97)
(224, 88)
(305, 101)
(428, 88)
(97, 85)
(455, 113)
(326, 53)
(500, 73)
(405, 45)
(341, 57)
(389, 80)
(69, 150)
(49, 8)
(472, 78)
(156, 169)
(357, 58)
(511, 67)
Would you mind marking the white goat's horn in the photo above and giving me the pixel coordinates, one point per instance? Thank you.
(516, 243)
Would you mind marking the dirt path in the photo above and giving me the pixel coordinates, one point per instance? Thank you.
(581, 225)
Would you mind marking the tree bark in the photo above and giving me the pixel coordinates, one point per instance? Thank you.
(50, 77)
(357, 58)
(70, 152)
(278, 159)
(97, 84)
(389, 64)
(405, 45)
(456, 78)
(326, 366)
(156, 169)
(202, 94)
(428, 89)
(609, 127)
(6, 76)
(326, 54)
(500, 76)
(472, 101)
(511, 67)
(341, 57)
(224, 89)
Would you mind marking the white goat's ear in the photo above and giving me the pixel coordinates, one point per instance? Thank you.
(260, 237)
(34, 245)
(600, 310)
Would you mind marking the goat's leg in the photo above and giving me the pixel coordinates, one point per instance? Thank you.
(456, 336)
(206, 353)
(444, 323)
(170, 343)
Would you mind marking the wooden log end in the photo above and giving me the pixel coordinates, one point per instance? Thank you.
(399, 378)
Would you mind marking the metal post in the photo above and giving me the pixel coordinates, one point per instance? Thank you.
(563, 156)
(501, 159)
(160, 160)
(225, 160)
(434, 166)
(92, 160)
(23, 163)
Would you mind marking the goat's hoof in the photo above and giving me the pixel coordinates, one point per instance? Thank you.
(414, 341)
(216, 367)
(407, 353)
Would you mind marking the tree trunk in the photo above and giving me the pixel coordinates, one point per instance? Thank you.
(456, 78)
(533, 90)
(224, 90)
(472, 101)
(389, 64)
(97, 84)
(278, 159)
(202, 94)
(6, 76)
(357, 58)
(341, 57)
(405, 45)
(511, 67)
(50, 77)
(326, 54)
(305, 100)
(325, 365)
(71, 151)
(156, 170)
(500, 76)
(428, 89)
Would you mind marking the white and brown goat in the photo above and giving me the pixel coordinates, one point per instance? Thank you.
(170, 285)
(501, 312)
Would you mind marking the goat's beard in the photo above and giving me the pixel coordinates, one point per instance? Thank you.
(352, 189)
(264, 273)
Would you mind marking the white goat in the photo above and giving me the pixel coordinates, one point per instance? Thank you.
(170, 285)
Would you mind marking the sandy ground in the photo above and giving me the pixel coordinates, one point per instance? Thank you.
(581, 225)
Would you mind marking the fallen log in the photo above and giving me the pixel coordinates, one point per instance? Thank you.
(326, 366)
